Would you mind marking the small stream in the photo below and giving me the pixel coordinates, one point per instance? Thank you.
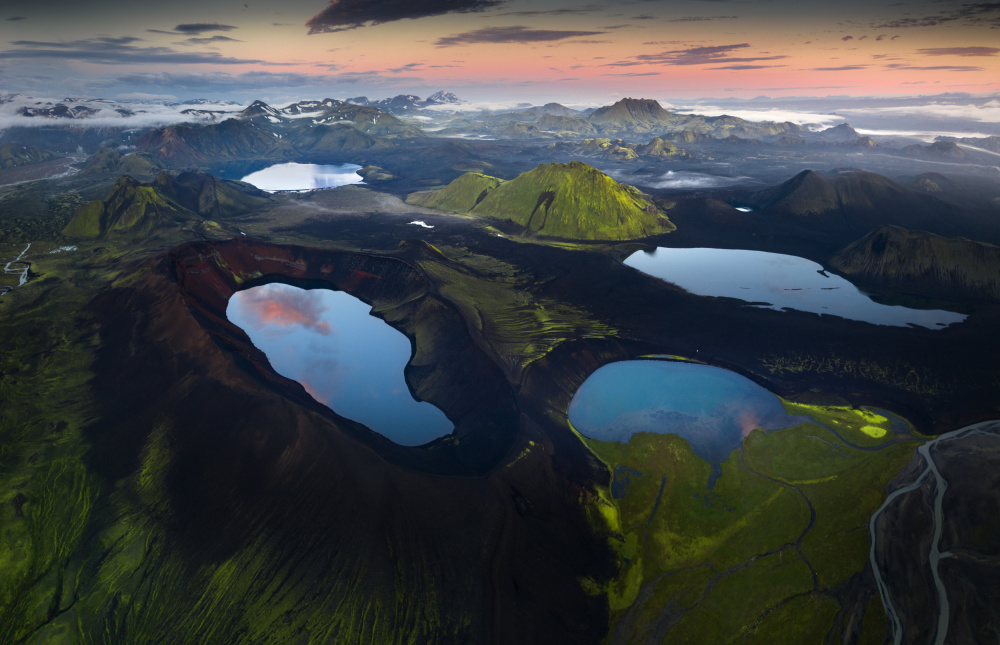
(22, 271)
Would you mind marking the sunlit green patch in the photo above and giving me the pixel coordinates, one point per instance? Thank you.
(702, 548)
(857, 425)
(874, 432)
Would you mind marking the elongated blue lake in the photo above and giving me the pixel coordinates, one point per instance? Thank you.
(304, 176)
(780, 282)
(344, 357)
(712, 408)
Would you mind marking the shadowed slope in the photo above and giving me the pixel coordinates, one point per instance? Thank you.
(137, 209)
(922, 262)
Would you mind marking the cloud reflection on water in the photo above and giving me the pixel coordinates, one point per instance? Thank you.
(267, 307)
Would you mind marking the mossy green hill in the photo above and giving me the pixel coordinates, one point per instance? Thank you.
(573, 201)
(136, 209)
(17, 154)
(131, 208)
(109, 161)
(461, 195)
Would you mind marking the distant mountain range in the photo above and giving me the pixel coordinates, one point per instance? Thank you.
(261, 131)
(632, 118)
(407, 102)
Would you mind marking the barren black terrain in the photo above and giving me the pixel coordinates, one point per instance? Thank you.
(161, 482)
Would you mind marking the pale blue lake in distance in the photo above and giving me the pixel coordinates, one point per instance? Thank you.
(346, 359)
(712, 408)
(782, 281)
(304, 176)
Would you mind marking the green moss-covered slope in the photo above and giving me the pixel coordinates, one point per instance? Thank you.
(136, 209)
(574, 201)
(17, 154)
(783, 528)
(110, 161)
(130, 208)
(460, 195)
(657, 147)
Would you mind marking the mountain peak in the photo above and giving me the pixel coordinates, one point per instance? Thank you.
(573, 201)
(258, 108)
(630, 112)
(442, 97)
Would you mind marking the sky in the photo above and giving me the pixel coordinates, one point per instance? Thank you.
(498, 50)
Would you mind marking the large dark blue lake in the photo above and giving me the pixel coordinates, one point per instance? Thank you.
(347, 359)
(304, 176)
(779, 281)
(712, 408)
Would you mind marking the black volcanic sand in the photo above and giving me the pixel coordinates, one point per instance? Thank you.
(905, 530)
(938, 379)
(497, 515)
(218, 474)
(348, 519)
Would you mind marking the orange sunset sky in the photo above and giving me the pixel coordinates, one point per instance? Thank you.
(498, 50)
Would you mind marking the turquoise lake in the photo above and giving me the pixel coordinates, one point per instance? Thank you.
(712, 408)
(344, 357)
(304, 176)
(779, 282)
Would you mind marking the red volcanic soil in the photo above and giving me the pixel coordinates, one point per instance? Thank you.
(473, 549)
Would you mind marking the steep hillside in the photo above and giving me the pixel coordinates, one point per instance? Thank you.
(130, 209)
(991, 143)
(137, 209)
(599, 148)
(657, 147)
(922, 262)
(330, 138)
(944, 150)
(110, 161)
(460, 195)
(619, 150)
(851, 203)
(17, 154)
(232, 139)
(573, 201)
(210, 196)
(633, 114)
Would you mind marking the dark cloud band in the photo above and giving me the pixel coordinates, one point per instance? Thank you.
(197, 28)
(351, 14)
(515, 34)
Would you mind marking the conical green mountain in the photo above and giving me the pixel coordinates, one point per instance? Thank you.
(573, 201)
(461, 195)
(131, 208)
